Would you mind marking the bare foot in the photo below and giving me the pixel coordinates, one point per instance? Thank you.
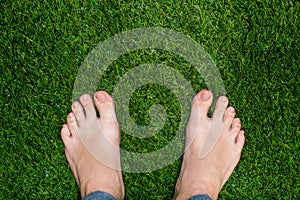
(207, 175)
(92, 145)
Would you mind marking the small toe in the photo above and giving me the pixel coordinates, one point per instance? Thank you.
(88, 106)
(236, 126)
(220, 109)
(201, 104)
(65, 133)
(105, 106)
(78, 111)
(229, 117)
(240, 141)
(72, 123)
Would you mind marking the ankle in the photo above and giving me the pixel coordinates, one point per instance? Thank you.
(111, 187)
(92, 188)
(87, 188)
(211, 191)
(187, 193)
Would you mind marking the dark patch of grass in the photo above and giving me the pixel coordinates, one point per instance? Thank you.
(255, 45)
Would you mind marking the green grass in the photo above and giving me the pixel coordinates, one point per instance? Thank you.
(255, 45)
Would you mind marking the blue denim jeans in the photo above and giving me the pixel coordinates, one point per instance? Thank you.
(98, 195)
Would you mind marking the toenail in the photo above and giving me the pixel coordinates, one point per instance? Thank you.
(75, 104)
(224, 99)
(71, 115)
(231, 109)
(205, 95)
(85, 97)
(100, 96)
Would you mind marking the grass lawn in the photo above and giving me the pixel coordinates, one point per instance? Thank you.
(255, 45)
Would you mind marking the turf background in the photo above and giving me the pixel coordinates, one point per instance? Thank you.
(255, 45)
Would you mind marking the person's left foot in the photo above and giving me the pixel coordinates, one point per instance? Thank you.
(92, 145)
(206, 174)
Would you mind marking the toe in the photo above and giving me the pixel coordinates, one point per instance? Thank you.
(236, 126)
(240, 141)
(65, 133)
(78, 111)
(88, 106)
(72, 124)
(201, 105)
(220, 109)
(105, 105)
(229, 117)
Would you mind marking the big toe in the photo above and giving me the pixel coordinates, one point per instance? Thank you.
(201, 105)
(105, 106)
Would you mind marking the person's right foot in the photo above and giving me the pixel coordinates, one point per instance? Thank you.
(207, 175)
(92, 145)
